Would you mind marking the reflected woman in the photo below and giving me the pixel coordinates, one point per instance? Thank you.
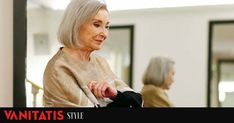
(158, 78)
(75, 76)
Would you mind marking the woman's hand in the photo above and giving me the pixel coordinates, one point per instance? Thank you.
(102, 89)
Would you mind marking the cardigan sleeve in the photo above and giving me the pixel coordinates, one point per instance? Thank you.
(60, 89)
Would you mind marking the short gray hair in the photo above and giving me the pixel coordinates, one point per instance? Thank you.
(76, 14)
(157, 70)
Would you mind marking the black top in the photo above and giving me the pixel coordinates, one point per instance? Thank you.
(126, 99)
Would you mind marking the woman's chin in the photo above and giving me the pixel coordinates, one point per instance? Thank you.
(97, 47)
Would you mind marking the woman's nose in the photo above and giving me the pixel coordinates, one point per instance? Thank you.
(104, 33)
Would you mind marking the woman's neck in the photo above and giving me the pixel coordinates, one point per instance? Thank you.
(81, 54)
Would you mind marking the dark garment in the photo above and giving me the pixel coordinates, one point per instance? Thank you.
(126, 99)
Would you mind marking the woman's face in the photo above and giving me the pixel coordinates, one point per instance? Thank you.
(170, 79)
(94, 32)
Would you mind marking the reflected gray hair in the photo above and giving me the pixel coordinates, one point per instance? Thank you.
(157, 70)
(76, 14)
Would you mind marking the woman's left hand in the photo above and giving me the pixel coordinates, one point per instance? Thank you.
(102, 89)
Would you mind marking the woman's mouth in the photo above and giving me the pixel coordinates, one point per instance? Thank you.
(99, 41)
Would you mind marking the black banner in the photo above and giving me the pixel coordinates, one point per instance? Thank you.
(120, 115)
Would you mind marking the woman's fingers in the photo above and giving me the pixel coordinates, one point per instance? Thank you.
(102, 89)
(95, 90)
(90, 86)
(99, 90)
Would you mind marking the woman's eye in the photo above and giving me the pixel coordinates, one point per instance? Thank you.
(107, 27)
(96, 25)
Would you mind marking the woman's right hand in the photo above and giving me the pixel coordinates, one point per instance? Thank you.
(102, 89)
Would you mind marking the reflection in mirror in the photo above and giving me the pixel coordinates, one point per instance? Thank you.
(43, 19)
(226, 82)
(221, 66)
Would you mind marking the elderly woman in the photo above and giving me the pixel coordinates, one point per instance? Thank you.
(158, 78)
(75, 76)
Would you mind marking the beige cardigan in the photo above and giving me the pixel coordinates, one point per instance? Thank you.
(154, 96)
(66, 79)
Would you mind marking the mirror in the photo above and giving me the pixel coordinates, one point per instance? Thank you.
(118, 51)
(221, 64)
(42, 24)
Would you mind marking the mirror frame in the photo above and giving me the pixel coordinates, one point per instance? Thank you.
(210, 56)
(19, 52)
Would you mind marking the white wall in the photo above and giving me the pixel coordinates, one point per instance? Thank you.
(36, 63)
(6, 53)
(48, 25)
(181, 33)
